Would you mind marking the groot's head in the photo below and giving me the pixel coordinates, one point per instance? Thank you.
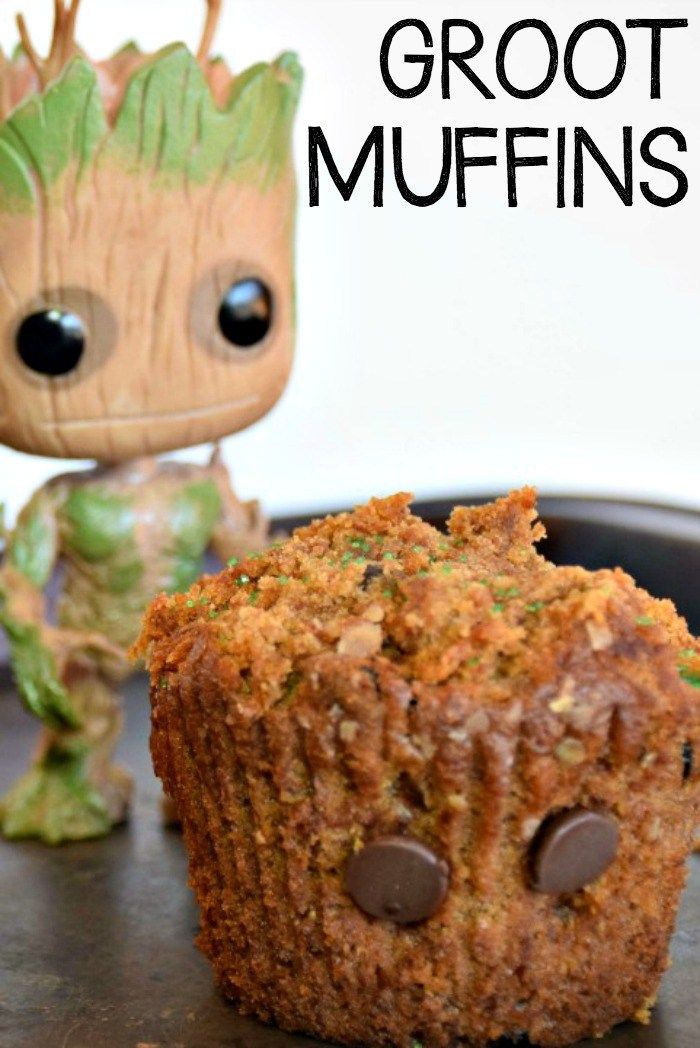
(146, 227)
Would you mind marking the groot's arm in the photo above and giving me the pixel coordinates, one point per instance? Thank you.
(39, 652)
(242, 527)
(30, 556)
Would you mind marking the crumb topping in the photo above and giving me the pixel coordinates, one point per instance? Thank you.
(381, 583)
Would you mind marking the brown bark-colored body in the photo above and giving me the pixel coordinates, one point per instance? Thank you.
(146, 304)
(120, 535)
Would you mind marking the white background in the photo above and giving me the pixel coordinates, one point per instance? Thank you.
(459, 351)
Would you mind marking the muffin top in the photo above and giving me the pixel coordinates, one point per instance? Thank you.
(476, 605)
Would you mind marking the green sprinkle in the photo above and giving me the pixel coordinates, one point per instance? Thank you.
(446, 569)
(388, 556)
(474, 660)
(232, 562)
(422, 574)
(387, 593)
(292, 682)
(418, 549)
(689, 676)
(464, 559)
(510, 591)
(213, 614)
(164, 683)
(254, 597)
(242, 580)
(346, 558)
(190, 604)
(283, 580)
(646, 620)
(497, 609)
(204, 601)
(443, 545)
(688, 653)
(362, 544)
(534, 608)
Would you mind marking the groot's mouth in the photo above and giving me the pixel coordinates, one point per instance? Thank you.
(165, 416)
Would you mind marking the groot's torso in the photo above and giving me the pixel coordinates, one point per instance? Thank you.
(126, 534)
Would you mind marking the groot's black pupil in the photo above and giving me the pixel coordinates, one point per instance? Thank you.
(245, 316)
(51, 342)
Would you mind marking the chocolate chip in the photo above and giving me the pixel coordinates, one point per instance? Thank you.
(372, 571)
(688, 760)
(572, 849)
(398, 879)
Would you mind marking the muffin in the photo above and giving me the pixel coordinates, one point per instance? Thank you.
(434, 789)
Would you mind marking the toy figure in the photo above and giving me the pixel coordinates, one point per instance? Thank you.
(146, 304)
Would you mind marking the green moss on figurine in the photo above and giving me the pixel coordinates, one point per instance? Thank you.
(146, 303)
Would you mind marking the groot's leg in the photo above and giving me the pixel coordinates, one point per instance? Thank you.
(73, 791)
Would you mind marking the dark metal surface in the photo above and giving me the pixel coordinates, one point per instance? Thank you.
(96, 939)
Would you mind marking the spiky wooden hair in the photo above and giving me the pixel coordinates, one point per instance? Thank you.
(64, 47)
(167, 126)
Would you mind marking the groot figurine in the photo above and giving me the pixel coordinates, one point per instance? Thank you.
(146, 304)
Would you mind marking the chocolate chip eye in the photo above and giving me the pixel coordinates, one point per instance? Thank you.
(571, 850)
(51, 342)
(245, 316)
(398, 879)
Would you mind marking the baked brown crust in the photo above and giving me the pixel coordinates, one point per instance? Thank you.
(303, 706)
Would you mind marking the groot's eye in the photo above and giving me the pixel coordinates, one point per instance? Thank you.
(572, 849)
(51, 342)
(245, 316)
(398, 879)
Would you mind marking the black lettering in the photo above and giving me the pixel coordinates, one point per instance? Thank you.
(618, 40)
(561, 167)
(441, 188)
(427, 61)
(318, 143)
(625, 190)
(656, 25)
(513, 162)
(461, 58)
(550, 40)
(663, 165)
(462, 162)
